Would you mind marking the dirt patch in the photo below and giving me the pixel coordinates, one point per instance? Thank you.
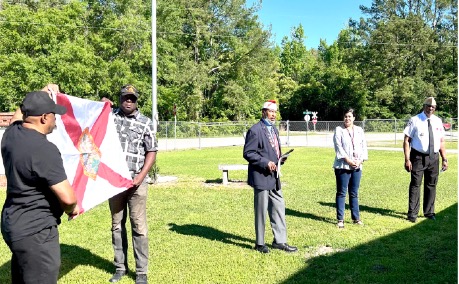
(166, 179)
(321, 250)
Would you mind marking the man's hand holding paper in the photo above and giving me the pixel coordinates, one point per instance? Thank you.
(281, 161)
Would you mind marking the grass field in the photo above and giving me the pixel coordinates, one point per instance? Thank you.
(450, 144)
(202, 232)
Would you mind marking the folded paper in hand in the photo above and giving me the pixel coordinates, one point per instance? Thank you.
(282, 158)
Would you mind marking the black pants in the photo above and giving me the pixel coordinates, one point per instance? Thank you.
(37, 258)
(422, 165)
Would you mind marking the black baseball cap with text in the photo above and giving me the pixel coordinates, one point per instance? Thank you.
(38, 103)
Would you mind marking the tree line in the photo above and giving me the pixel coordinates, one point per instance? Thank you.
(217, 62)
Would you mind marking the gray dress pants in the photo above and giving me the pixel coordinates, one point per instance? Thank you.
(271, 201)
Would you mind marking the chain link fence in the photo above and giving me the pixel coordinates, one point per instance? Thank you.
(179, 135)
(197, 135)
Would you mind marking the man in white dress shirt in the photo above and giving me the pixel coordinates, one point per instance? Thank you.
(424, 143)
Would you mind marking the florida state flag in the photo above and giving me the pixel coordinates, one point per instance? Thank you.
(93, 159)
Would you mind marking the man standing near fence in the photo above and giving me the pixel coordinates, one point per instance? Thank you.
(262, 150)
(424, 141)
(140, 146)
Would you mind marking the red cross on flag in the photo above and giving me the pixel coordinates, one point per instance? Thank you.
(93, 159)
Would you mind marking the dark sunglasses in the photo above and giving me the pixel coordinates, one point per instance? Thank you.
(132, 98)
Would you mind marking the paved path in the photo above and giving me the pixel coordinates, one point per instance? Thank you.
(321, 139)
(314, 140)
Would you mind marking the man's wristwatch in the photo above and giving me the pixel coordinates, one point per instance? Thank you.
(445, 160)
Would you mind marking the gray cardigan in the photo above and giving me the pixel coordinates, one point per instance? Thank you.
(344, 147)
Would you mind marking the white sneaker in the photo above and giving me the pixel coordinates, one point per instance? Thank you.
(340, 224)
(358, 222)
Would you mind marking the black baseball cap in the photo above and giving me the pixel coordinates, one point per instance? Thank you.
(129, 90)
(38, 103)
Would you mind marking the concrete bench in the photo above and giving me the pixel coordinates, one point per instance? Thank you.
(226, 168)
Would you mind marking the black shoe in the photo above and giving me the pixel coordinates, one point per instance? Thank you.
(431, 217)
(117, 276)
(285, 247)
(141, 279)
(411, 219)
(262, 248)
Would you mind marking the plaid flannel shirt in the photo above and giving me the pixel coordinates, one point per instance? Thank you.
(137, 138)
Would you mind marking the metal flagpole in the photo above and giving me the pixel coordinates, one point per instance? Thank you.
(153, 67)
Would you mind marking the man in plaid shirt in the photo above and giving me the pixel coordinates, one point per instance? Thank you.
(140, 146)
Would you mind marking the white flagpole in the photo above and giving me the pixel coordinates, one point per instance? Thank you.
(153, 67)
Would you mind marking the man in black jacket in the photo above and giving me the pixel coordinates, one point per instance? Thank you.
(262, 150)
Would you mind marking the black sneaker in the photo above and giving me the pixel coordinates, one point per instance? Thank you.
(262, 248)
(117, 276)
(431, 217)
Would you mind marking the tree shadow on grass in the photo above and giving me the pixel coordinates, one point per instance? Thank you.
(5, 272)
(300, 214)
(380, 211)
(211, 234)
(423, 253)
(71, 257)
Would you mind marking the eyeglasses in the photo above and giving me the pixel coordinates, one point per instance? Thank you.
(431, 106)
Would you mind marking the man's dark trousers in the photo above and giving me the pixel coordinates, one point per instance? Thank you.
(36, 258)
(422, 165)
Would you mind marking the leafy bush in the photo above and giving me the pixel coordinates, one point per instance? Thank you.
(389, 125)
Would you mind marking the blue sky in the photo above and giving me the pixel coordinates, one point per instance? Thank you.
(320, 18)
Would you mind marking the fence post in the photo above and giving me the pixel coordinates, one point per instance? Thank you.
(395, 129)
(199, 134)
(166, 122)
(288, 133)
(175, 131)
(307, 127)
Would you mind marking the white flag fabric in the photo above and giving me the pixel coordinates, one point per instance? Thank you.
(93, 159)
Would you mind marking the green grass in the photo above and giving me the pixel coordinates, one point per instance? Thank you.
(450, 144)
(202, 232)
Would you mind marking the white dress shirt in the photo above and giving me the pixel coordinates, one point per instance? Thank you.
(417, 129)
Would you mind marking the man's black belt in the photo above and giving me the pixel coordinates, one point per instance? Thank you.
(419, 153)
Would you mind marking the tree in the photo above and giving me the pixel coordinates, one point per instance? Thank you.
(409, 54)
(87, 54)
(217, 57)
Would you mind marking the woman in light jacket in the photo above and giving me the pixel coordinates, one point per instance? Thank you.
(351, 151)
